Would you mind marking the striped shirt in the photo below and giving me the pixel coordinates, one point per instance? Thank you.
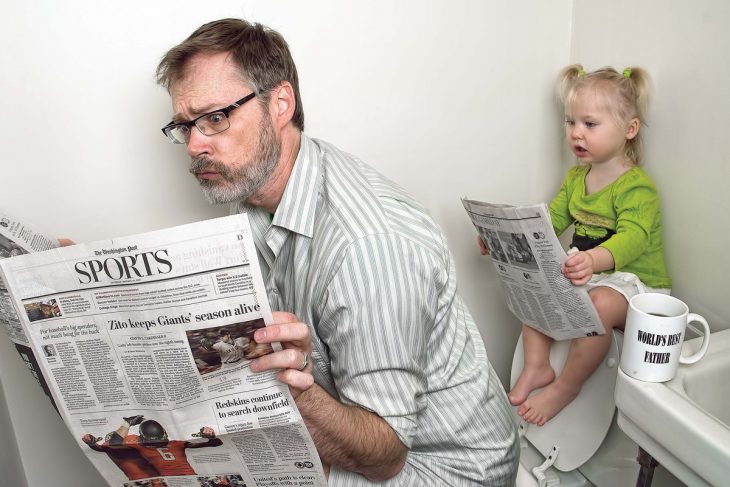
(354, 256)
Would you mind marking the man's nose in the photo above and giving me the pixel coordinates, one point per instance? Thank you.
(198, 144)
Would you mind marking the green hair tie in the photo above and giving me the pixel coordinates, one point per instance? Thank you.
(581, 72)
(627, 73)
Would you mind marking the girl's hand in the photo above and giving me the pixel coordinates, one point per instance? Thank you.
(578, 268)
(483, 249)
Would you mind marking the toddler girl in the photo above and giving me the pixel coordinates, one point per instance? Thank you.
(615, 208)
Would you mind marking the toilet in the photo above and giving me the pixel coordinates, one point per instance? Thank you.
(582, 445)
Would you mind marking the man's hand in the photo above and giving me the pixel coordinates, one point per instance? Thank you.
(346, 436)
(65, 242)
(296, 342)
(134, 420)
(89, 439)
(483, 249)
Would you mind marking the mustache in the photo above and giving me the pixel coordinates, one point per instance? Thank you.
(203, 164)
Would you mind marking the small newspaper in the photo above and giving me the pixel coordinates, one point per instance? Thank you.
(528, 258)
(144, 345)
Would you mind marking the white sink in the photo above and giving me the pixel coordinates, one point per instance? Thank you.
(684, 423)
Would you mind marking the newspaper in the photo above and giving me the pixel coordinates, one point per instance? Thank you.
(145, 343)
(18, 238)
(528, 258)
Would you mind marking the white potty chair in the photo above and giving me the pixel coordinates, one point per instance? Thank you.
(582, 445)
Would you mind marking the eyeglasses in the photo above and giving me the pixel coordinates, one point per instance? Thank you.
(210, 123)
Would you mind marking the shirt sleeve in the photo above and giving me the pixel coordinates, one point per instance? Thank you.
(379, 313)
(637, 208)
(559, 210)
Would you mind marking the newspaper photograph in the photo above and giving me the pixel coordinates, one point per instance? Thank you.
(528, 259)
(145, 344)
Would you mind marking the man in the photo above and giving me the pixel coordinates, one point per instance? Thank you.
(398, 389)
(168, 457)
(129, 461)
(49, 350)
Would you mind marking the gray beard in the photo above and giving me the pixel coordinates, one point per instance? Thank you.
(241, 182)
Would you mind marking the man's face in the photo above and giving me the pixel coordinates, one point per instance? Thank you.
(235, 164)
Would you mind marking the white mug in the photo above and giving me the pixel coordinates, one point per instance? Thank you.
(654, 334)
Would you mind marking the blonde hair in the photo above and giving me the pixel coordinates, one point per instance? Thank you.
(626, 95)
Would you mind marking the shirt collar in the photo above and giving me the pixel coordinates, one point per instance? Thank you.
(298, 205)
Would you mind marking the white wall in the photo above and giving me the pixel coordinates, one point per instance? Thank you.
(10, 463)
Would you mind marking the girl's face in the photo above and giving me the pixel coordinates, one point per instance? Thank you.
(592, 132)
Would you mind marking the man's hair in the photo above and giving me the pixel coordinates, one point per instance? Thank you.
(261, 54)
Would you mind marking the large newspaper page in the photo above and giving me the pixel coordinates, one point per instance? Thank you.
(528, 258)
(145, 344)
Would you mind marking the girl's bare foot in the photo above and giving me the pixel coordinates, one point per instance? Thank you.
(542, 407)
(531, 378)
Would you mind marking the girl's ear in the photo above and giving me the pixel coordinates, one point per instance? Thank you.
(633, 128)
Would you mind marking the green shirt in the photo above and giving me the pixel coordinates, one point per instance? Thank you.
(629, 207)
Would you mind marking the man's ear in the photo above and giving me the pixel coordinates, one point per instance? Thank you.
(282, 103)
(633, 129)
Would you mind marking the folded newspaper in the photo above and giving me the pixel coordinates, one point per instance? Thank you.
(143, 344)
(528, 258)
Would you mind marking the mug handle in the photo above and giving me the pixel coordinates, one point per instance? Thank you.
(692, 317)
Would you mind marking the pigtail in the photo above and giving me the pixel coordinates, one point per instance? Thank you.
(567, 80)
(640, 87)
(639, 79)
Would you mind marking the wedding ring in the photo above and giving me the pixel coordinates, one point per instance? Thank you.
(305, 361)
